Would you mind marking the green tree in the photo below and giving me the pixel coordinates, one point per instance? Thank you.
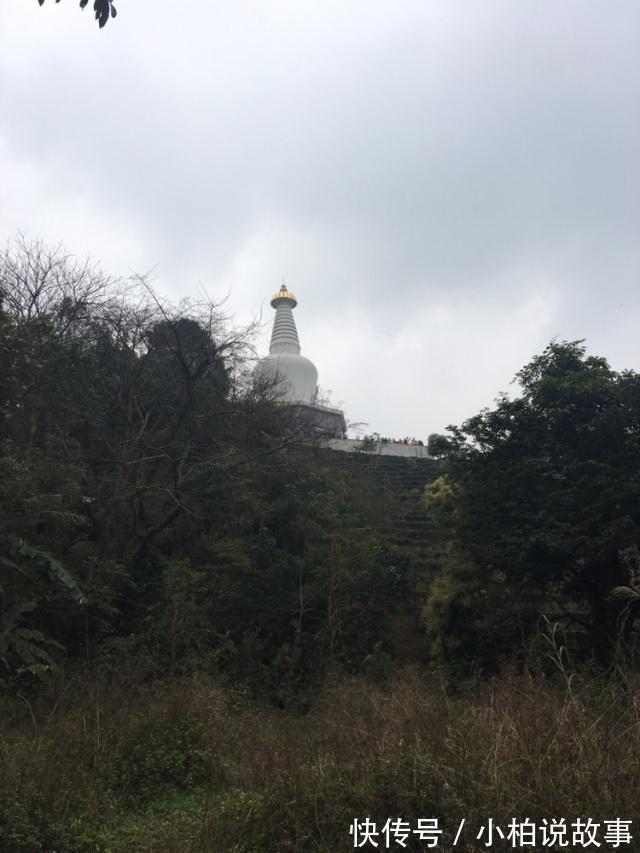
(121, 431)
(540, 503)
(154, 498)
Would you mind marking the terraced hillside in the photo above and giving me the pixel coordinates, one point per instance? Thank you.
(394, 489)
(391, 490)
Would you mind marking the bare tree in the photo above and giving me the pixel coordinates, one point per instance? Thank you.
(38, 282)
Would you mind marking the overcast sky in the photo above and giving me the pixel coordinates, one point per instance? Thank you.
(445, 185)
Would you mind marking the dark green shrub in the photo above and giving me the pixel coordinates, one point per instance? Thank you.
(159, 755)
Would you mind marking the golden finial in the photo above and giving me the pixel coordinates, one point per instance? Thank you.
(284, 294)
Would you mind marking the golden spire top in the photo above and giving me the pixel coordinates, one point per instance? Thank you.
(284, 294)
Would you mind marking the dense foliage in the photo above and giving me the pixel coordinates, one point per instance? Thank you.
(158, 503)
(185, 766)
(540, 510)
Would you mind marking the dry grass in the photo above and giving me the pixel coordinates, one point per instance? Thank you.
(187, 766)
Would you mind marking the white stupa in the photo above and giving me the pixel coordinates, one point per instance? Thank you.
(295, 376)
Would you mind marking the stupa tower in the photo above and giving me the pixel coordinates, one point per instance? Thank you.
(284, 336)
(296, 377)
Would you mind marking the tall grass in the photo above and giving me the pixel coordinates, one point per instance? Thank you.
(191, 767)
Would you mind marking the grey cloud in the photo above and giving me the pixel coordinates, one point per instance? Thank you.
(407, 155)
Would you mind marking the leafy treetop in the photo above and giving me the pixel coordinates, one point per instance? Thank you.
(542, 498)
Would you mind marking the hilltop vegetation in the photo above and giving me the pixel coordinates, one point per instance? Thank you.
(199, 609)
(158, 503)
(539, 506)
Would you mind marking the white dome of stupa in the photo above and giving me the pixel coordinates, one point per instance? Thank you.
(295, 377)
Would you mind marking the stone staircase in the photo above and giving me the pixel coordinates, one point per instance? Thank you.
(392, 489)
(395, 489)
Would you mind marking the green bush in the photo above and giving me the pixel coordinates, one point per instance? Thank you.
(159, 755)
(312, 812)
(26, 827)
